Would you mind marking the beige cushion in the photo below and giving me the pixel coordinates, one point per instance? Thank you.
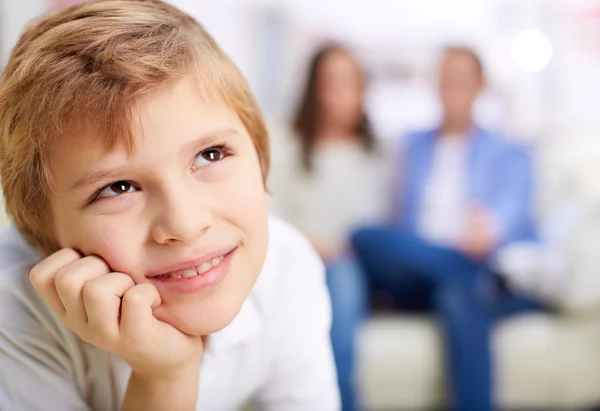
(543, 362)
(400, 363)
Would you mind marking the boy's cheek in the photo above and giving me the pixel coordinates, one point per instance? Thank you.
(114, 246)
(251, 208)
(248, 190)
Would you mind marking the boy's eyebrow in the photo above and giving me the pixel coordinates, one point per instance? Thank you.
(211, 137)
(208, 138)
(93, 177)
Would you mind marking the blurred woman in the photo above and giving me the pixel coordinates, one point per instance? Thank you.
(331, 178)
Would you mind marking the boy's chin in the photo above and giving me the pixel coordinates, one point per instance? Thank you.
(199, 323)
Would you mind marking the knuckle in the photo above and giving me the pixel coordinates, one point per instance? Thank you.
(126, 279)
(135, 295)
(68, 254)
(67, 279)
(94, 291)
(36, 275)
(96, 263)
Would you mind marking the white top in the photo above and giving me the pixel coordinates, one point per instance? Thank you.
(444, 201)
(276, 351)
(347, 188)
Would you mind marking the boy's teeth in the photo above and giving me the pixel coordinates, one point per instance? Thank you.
(204, 267)
(209, 264)
(190, 272)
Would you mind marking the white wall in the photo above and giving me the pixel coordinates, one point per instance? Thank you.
(13, 17)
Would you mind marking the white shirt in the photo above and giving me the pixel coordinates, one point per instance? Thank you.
(275, 352)
(444, 201)
(348, 187)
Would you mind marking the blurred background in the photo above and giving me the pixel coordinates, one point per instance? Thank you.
(536, 90)
(541, 60)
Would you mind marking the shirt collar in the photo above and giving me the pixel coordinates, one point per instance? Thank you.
(244, 326)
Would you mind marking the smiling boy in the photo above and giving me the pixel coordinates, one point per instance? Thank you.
(133, 161)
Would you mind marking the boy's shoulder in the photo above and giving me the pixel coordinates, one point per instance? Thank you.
(17, 258)
(24, 316)
(18, 297)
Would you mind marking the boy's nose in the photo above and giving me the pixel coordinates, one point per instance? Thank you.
(181, 220)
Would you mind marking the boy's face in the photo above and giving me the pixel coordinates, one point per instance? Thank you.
(191, 191)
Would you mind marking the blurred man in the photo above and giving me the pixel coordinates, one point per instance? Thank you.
(464, 193)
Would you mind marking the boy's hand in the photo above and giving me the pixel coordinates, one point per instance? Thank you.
(108, 310)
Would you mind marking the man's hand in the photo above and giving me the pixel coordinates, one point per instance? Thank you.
(108, 310)
(481, 234)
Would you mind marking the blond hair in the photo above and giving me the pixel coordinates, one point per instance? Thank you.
(88, 64)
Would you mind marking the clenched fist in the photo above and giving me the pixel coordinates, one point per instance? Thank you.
(108, 310)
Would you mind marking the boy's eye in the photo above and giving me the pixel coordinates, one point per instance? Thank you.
(117, 188)
(209, 156)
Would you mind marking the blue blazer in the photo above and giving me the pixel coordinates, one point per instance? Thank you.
(499, 177)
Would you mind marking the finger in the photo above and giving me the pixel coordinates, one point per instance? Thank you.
(43, 274)
(137, 319)
(102, 300)
(70, 280)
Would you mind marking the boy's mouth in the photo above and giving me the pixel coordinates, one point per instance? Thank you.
(193, 268)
